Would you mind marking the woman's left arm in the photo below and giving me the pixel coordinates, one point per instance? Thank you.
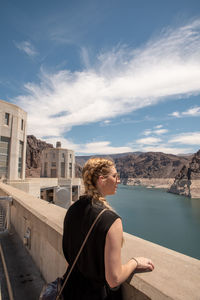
(115, 271)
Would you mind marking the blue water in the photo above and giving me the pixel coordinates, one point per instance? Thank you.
(166, 219)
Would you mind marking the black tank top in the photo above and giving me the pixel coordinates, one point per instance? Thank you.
(87, 280)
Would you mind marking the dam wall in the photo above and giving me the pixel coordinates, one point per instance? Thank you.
(40, 226)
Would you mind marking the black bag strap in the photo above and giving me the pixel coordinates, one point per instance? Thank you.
(77, 256)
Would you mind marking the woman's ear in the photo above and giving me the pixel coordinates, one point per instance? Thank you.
(101, 179)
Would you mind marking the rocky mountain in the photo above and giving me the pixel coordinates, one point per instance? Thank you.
(187, 181)
(33, 153)
(151, 165)
(146, 165)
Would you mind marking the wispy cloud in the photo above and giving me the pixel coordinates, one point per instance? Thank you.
(188, 138)
(121, 81)
(26, 47)
(175, 114)
(147, 132)
(155, 144)
(85, 58)
(148, 141)
(191, 112)
(98, 147)
(160, 131)
(157, 130)
(166, 149)
(103, 147)
(105, 123)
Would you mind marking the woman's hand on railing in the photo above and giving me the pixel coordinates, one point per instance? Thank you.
(144, 263)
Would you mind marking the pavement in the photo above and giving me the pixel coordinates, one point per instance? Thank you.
(26, 280)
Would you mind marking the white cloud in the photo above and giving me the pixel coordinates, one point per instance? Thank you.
(176, 114)
(191, 112)
(147, 132)
(189, 138)
(122, 81)
(85, 57)
(107, 121)
(26, 47)
(65, 143)
(99, 147)
(103, 147)
(160, 131)
(167, 149)
(194, 112)
(148, 141)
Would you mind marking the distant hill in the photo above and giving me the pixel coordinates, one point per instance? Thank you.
(145, 165)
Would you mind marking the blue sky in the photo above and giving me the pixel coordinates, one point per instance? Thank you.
(107, 76)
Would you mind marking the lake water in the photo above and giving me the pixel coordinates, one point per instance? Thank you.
(166, 219)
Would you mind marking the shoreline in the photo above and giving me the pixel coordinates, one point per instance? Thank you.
(188, 188)
(158, 183)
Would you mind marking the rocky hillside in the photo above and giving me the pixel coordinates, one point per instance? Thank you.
(33, 153)
(187, 180)
(146, 165)
(151, 165)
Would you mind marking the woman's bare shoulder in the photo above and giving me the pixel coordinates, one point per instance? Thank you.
(116, 229)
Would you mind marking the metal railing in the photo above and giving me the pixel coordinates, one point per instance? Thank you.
(5, 202)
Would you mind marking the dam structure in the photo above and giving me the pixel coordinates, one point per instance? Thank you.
(39, 226)
(57, 183)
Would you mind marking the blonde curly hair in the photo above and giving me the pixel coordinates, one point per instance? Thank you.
(92, 169)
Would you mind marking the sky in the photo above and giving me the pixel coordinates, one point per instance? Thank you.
(107, 76)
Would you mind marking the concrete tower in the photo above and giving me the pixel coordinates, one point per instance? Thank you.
(12, 141)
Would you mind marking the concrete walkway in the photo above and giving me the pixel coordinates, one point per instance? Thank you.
(25, 278)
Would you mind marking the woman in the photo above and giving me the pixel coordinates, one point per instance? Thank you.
(99, 271)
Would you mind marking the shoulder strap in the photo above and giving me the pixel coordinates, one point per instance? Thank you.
(77, 256)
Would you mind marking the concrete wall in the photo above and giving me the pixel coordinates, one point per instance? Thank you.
(45, 223)
(32, 186)
(176, 276)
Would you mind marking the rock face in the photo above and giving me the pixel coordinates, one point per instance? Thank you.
(187, 181)
(78, 170)
(150, 169)
(150, 165)
(33, 154)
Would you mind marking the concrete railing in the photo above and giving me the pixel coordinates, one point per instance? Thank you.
(176, 276)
